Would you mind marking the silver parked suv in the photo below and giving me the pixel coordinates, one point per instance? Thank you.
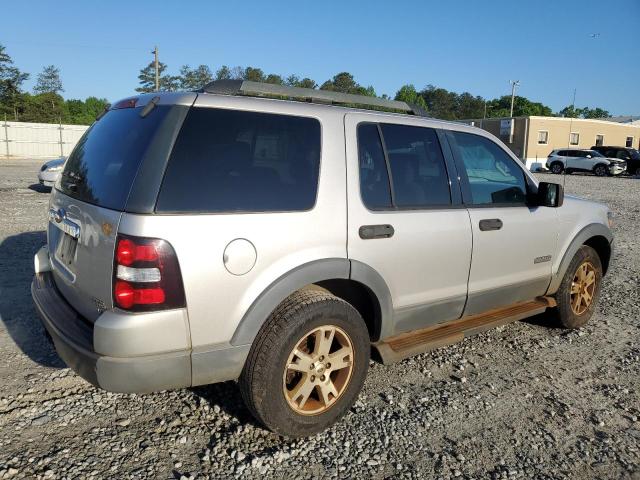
(201, 237)
(576, 160)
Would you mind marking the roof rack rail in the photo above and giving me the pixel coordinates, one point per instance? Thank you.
(258, 89)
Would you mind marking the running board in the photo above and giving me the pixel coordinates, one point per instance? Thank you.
(415, 342)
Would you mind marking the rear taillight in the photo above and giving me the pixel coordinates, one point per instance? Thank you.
(146, 275)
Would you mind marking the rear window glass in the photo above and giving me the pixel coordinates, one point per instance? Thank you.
(237, 161)
(103, 164)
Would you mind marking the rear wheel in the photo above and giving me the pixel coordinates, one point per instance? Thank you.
(307, 365)
(580, 288)
(557, 168)
(601, 170)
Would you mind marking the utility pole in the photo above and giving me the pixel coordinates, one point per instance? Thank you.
(514, 84)
(155, 54)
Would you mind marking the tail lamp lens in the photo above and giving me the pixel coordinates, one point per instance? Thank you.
(127, 295)
(128, 252)
(146, 275)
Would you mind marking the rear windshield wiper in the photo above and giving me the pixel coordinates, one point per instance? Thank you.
(149, 106)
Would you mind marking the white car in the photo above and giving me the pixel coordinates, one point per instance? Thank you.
(576, 160)
(50, 171)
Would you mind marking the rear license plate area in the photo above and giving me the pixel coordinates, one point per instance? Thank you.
(66, 249)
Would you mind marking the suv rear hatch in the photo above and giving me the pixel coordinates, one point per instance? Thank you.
(93, 191)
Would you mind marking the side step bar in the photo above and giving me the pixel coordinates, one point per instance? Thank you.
(415, 342)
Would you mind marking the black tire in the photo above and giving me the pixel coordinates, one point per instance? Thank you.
(567, 315)
(557, 168)
(262, 379)
(601, 170)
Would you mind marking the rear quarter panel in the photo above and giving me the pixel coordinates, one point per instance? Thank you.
(216, 299)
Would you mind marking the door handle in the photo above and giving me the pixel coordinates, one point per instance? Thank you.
(369, 232)
(490, 224)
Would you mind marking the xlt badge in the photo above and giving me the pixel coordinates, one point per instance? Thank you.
(546, 258)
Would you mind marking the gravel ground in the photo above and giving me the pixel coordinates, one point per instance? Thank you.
(523, 401)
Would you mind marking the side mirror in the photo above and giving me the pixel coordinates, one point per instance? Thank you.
(550, 195)
(588, 156)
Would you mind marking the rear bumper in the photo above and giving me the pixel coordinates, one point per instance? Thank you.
(73, 337)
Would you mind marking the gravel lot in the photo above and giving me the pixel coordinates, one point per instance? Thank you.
(524, 401)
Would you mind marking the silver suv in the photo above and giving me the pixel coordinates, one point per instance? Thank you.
(576, 160)
(202, 237)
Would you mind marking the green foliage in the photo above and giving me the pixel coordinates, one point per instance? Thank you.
(586, 112)
(49, 81)
(194, 78)
(345, 83)
(253, 74)
(11, 78)
(83, 113)
(147, 79)
(275, 79)
(46, 105)
(500, 107)
(409, 94)
(223, 73)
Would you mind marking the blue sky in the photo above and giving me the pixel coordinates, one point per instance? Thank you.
(475, 46)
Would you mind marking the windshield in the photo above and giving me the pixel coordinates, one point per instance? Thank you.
(593, 153)
(634, 154)
(104, 163)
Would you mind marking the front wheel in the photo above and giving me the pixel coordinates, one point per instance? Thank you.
(557, 168)
(307, 364)
(601, 171)
(580, 288)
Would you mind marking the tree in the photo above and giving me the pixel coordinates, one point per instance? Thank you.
(275, 79)
(253, 74)
(295, 81)
(586, 112)
(440, 102)
(468, 106)
(345, 83)
(147, 78)
(11, 80)
(409, 94)
(49, 81)
(237, 73)
(78, 112)
(501, 107)
(595, 113)
(223, 73)
(194, 79)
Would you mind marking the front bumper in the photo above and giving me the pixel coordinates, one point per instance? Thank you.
(616, 170)
(73, 337)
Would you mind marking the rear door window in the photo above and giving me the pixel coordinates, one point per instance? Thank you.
(104, 163)
(237, 161)
(374, 179)
(418, 171)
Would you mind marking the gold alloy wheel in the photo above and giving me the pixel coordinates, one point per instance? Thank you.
(583, 288)
(318, 370)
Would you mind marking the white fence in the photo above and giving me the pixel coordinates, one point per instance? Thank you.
(20, 139)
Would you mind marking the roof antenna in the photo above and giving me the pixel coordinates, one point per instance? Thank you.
(573, 112)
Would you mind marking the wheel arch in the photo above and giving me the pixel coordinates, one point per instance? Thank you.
(354, 282)
(595, 235)
(600, 164)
